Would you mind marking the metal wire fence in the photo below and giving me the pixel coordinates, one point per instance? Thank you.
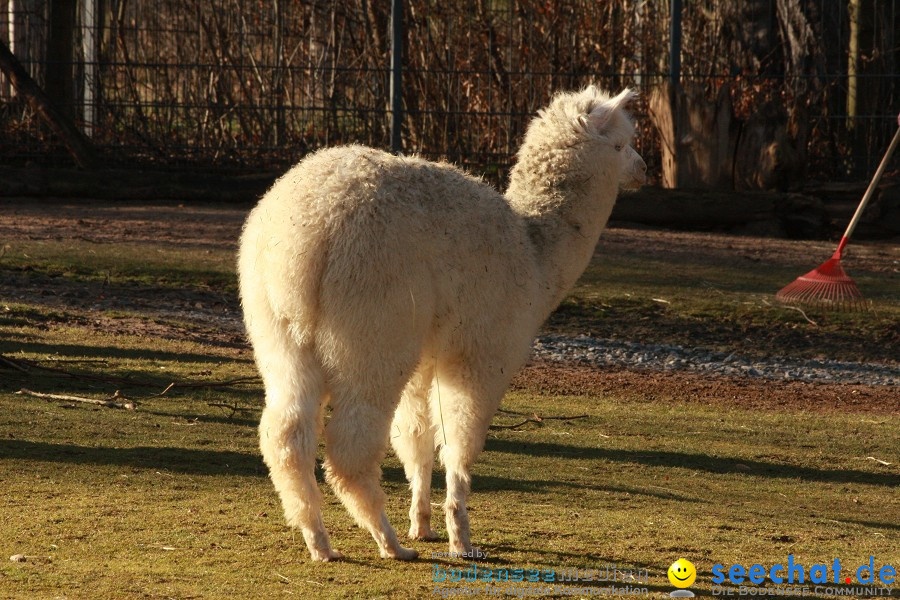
(256, 84)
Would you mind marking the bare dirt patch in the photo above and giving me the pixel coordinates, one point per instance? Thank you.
(716, 248)
(201, 226)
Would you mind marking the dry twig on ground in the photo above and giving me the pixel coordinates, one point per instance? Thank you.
(107, 402)
(234, 409)
(129, 402)
(535, 418)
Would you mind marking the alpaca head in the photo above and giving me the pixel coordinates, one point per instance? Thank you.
(607, 121)
(593, 118)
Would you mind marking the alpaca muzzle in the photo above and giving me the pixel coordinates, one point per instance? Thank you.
(637, 175)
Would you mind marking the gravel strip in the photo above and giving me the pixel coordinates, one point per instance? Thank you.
(598, 352)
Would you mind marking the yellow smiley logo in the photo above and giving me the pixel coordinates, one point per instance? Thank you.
(682, 573)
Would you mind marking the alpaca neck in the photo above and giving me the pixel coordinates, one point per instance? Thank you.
(564, 215)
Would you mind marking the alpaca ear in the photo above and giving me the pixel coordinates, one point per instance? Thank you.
(600, 114)
(590, 91)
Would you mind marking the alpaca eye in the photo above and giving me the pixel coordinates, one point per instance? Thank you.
(618, 147)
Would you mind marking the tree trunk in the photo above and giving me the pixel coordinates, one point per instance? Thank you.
(697, 136)
(80, 148)
(766, 157)
(60, 83)
(803, 39)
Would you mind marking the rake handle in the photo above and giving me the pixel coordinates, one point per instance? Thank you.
(870, 191)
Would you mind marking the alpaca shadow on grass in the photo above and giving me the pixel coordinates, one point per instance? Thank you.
(485, 484)
(488, 483)
(699, 462)
(193, 461)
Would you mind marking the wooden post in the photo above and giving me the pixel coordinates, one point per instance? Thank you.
(79, 146)
(396, 75)
(89, 38)
(7, 30)
(852, 63)
(672, 159)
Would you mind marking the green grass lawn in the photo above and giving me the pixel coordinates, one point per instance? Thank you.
(123, 263)
(172, 500)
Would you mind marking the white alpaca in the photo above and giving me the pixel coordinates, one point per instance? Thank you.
(397, 288)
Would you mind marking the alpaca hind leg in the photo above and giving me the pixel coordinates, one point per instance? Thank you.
(412, 437)
(288, 433)
(355, 441)
(462, 432)
(459, 478)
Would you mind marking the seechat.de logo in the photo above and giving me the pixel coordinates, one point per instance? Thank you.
(794, 572)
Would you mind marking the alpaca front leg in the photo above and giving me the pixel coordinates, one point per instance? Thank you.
(417, 453)
(412, 437)
(420, 508)
(457, 517)
(464, 443)
(463, 432)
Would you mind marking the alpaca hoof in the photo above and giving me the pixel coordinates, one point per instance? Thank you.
(423, 534)
(401, 553)
(459, 549)
(327, 556)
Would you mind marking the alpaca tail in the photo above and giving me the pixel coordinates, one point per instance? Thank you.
(278, 286)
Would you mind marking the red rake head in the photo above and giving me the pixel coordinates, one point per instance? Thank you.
(826, 287)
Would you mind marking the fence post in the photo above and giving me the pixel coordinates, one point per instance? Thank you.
(852, 62)
(396, 75)
(89, 23)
